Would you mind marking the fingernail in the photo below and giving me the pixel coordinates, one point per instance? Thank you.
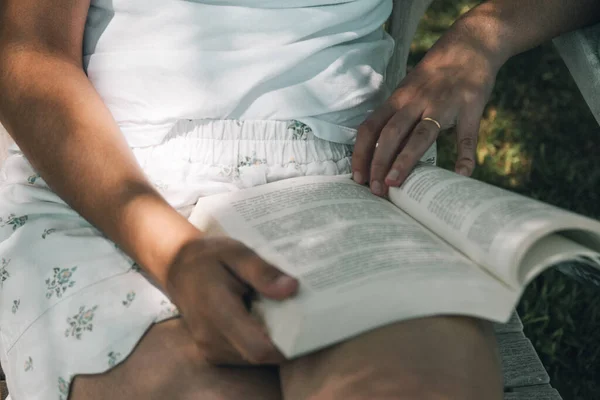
(376, 188)
(284, 281)
(393, 175)
(463, 171)
(357, 177)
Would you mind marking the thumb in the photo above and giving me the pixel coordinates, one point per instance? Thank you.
(260, 275)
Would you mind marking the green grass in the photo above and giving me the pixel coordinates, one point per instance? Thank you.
(539, 138)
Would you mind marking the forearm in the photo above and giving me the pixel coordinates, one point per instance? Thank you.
(505, 28)
(60, 123)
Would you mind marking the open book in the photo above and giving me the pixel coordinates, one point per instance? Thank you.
(442, 244)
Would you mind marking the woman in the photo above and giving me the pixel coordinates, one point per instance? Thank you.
(127, 111)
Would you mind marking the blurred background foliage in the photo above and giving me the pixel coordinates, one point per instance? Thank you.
(539, 138)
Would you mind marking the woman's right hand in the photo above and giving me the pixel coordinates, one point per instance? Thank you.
(208, 281)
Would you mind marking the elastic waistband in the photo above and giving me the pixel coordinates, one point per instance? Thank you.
(235, 144)
(203, 157)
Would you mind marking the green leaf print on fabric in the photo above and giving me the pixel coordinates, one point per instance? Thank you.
(299, 130)
(135, 267)
(47, 232)
(4, 275)
(28, 364)
(168, 310)
(60, 282)
(129, 298)
(252, 160)
(63, 388)
(430, 160)
(113, 357)
(32, 178)
(229, 171)
(16, 304)
(14, 221)
(80, 322)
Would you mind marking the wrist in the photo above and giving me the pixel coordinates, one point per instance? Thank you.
(484, 30)
(153, 233)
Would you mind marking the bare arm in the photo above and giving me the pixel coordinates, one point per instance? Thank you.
(452, 84)
(56, 117)
(509, 27)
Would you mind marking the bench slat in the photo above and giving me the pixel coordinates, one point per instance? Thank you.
(541, 392)
(520, 363)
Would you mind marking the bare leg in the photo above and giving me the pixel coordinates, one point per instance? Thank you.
(431, 358)
(167, 365)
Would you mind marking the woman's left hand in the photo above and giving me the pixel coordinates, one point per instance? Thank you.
(449, 87)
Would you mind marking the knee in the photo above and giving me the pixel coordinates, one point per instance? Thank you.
(434, 389)
(365, 384)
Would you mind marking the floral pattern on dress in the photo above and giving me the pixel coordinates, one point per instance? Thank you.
(430, 160)
(28, 364)
(48, 232)
(63, 388)
(160, 185)
(32, 178)
(113, 357)
(14, 221)
(80, 322)
(135, 267)
(4, 274)
(129, 299)
(168, 310)
(60, 282)
(252, 160)
(228, 171)
(15, 306)
(299, 130)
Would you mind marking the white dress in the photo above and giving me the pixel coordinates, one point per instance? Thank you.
(212, 96)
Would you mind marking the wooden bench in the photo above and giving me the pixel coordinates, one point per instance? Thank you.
(525, 378)
(524, 375)
(580, 51)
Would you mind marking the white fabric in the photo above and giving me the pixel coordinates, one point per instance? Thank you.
(209, 95)
(73, 303)
(70, 301)
(155, 62)
(5, 142)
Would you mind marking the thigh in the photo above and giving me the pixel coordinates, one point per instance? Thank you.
(429, 358)
(74, 308)
(166, 364)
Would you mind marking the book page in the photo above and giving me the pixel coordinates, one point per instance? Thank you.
(329, 231)
(346, 245)
(492, 226)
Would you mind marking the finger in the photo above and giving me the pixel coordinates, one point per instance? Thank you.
(366, 140)
(467, 132)
(243, 332)
(259, 274)
(390, 141)
(419, 140)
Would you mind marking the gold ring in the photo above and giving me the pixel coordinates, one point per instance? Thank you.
(434, 121)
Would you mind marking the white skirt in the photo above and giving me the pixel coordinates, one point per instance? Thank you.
(70, 301)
